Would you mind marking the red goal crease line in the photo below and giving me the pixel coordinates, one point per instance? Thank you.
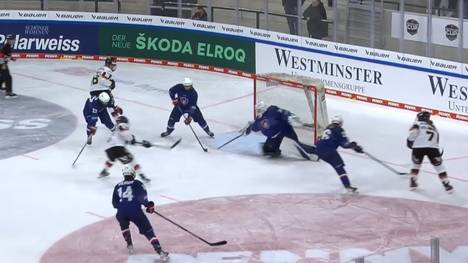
(239, 73)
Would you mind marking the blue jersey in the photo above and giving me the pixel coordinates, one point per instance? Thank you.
(129, 196)
(333, 137)
(187, 98)
(92, 109)
(273, 122)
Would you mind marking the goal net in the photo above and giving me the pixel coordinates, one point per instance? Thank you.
(301, 95)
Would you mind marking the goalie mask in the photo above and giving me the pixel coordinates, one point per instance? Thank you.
(260, 108)
(338, 120)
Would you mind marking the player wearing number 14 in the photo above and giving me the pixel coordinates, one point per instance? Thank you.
(128, 198)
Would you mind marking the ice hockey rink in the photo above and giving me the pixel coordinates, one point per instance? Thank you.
(269, 210)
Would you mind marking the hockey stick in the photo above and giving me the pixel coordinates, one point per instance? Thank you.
(231, 140)
(167, 147)
(384, 164)
(219, 243)
(194, 133)
(82, 148)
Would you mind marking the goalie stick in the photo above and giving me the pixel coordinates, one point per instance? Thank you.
(384, 164)
(167, 147)
(231, 140)
(218, 243)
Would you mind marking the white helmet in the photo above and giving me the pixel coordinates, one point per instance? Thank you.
(127, 170)
(337, 119)
(187, 82)
(260, 108)
(104, 97)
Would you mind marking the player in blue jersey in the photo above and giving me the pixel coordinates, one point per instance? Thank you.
(326, 148)
(96, 108)
(275, 124)
(184, 97)
(128, 198)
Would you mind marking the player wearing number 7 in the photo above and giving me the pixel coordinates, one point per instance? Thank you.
(423, 139)
(128, 198)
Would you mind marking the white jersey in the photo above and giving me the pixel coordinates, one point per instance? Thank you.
(121, 136)
(102, 80)
(424, 135)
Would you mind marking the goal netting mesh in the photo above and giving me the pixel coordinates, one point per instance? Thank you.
(303, 96)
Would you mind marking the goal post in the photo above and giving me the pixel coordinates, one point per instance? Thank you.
(301, 95)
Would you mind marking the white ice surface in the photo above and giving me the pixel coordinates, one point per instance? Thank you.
(44, 199)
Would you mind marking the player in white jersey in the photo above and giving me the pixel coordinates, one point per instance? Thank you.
(423, 139)
(117, 150)
(102, 82)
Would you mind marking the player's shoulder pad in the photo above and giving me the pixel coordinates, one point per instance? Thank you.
(414, 127)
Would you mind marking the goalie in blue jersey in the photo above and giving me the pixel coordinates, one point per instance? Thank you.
(275, 124)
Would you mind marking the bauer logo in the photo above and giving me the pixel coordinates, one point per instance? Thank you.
(412, 26)
(451, 32)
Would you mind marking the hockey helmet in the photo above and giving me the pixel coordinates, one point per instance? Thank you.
(111, 62)
(337, 119)
(128, 172)
(423, 116)
(10, 38)
(104, 98)
(260, 108)
(122, 119)
(187, 83)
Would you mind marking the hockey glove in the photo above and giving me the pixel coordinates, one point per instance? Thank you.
(248, 130)
(409, 144)
(91, 130)
(117, 111)
(175, 102)
(150, 207)
(358, 149)
(146, 144)
(188, 120)
(112, 85)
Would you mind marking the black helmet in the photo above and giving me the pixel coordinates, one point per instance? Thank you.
(423, 116)
(111, 62)
(122, 119)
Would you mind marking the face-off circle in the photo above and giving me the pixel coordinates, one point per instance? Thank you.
(28, 124)
(280, 228)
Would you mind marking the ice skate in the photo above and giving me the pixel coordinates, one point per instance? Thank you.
(164, 255)
(103, 173)
(167, 133)
(448, 187)
(351, 189)
(144, 178)
(413, 184)
(130, 249)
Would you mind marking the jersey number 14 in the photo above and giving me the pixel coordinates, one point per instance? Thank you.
(127, 194)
